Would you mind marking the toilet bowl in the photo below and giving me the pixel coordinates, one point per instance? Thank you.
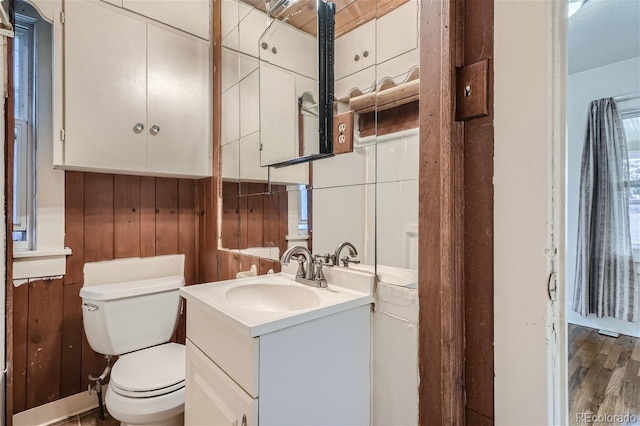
(147, 386)
(135, 320)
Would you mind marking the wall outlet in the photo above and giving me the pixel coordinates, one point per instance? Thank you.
(343, 133)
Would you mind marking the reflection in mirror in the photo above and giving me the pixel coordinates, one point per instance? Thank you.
(296, 86)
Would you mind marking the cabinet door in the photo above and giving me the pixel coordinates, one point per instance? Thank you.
(397, 31)
(178, 96)
(278, 123)
(212, 398)
(191, 16)
(348, 50)
(104, 87)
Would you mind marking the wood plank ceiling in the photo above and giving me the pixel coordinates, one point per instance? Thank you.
(350, 14)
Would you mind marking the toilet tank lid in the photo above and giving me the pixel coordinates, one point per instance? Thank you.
(131, 288)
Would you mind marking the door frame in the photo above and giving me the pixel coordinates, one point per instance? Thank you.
(530, 101)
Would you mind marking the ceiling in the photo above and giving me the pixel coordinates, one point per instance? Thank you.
(602, 32)
(350, 14)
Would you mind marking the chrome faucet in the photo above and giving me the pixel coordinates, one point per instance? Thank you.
(311, 275)
(347, 259)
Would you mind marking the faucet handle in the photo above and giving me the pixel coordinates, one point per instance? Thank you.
(301, 272)
(349, 259)
(318, 276)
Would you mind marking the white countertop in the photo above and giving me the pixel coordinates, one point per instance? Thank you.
(346, 290)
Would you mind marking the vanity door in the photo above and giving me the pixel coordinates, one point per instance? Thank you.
(212, 397)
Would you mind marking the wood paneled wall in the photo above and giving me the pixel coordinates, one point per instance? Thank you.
(107, 217)
(258, 218)
(392, 120)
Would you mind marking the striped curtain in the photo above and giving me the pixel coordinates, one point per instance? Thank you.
(606, 283)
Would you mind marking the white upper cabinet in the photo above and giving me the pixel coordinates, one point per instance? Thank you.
(397, 32)
(355, 50)
(105, 88)
(136, 98)
(177, 88)
(191, 16)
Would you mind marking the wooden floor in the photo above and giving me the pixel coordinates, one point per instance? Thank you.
(604, 378)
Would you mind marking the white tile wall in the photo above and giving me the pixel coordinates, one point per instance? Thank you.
(339, 215)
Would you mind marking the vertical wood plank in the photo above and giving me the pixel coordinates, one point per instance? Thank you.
(243, 216)
(265, 265)
(207, 238)
(271, 223)
(223, 264)
(166, 216)
(255, 216)
(441, 274)
(20, 337)
(126, 215)
(187, 227)
(230, 216)
(147, 216)
(233, 265)
(74, 225)
(478, 228)
(9, 123)
(44, 342)
(92, 363)
(283, 220)
(98, 220)
(71, 357)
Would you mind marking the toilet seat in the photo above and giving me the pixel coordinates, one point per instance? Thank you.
(149, 372)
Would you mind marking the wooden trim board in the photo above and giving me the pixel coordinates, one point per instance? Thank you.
(57, 410)
(441, 295)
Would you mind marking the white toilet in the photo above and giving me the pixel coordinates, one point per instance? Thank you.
(130, 308)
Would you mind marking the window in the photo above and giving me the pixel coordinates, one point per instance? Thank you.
(303, 209)
(24, 169)
(631, 123)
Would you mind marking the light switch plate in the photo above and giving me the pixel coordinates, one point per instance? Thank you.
(343, 133)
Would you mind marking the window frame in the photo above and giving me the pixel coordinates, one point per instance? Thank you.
(625, 114)
(24, 167)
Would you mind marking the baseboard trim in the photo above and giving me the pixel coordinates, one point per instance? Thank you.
(56, 410)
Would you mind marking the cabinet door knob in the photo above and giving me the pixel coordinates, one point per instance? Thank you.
(155, 129)
(356, 58)
(365, 54)
(138, 127)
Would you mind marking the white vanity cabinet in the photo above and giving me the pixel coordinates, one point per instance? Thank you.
(314, 372)
(136, 95)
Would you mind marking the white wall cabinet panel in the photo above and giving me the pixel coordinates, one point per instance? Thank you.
(397, 31)
(294, 50)
(212, 398)
(279, 86)
(250, 104)
(356, 50)
(191, 16)
(250, 30)
(178, 82)
(105, 88)
(136, 99)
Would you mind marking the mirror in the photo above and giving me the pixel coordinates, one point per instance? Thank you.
(367, 196)
(296, 86)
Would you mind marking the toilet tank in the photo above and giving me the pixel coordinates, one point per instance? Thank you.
(131, 304)
(124, 317)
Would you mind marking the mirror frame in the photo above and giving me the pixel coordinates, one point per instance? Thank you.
(326, 33)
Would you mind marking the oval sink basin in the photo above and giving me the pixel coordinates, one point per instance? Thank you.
(271, 297)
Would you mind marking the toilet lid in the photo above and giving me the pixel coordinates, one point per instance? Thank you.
(149, 372)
